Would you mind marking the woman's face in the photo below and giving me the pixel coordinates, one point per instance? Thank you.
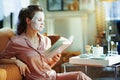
(37, 21)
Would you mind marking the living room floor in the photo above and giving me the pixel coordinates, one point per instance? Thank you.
(96, 73)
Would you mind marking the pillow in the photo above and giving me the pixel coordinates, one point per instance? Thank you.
(5, 35)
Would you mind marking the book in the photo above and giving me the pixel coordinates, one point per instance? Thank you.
(59, 46)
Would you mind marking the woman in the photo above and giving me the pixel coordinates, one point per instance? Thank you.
(29, 48)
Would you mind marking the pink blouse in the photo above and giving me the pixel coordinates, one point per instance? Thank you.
(21, 48)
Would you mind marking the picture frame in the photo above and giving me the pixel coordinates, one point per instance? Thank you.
(54, 5)
(70, 5)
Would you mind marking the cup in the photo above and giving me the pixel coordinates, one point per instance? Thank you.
(97, 51)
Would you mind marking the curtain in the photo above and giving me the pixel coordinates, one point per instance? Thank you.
(11, 6)
(1, 10)
(112, 10)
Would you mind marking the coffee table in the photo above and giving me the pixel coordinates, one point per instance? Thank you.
(106, 61)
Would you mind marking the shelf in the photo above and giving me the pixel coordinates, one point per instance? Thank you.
(64, 14)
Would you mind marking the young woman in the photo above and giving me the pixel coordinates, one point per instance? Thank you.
(29, 47)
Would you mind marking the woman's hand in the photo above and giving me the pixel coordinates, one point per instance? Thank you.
(22, 67)
(54, 60)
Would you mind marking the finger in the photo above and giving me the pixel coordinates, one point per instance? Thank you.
(21, 71)
(28, 70)
(59, 55)
(56, 56)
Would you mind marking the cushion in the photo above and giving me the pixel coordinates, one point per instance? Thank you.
(3, 74)
(53, 38)
(9, 72)
(5, 35)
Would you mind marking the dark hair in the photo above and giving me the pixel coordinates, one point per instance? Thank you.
(23, 14)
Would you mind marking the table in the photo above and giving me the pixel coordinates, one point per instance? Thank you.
(111, 61)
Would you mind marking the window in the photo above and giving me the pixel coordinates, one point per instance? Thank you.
(11, 10)
(112, 10)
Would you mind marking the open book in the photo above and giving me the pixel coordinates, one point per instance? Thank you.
(59, 46)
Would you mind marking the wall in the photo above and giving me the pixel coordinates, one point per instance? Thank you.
(92, 30)
(80, 24)
(70, 26)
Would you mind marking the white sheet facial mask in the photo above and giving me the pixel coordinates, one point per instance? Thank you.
(37, 21)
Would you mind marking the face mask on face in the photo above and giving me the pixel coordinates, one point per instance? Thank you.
(37, 21)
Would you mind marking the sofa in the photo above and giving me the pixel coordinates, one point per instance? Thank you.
(10, 71)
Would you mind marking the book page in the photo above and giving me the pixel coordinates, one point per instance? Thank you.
(59, 46)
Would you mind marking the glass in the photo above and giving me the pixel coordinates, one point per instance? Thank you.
(88, 49)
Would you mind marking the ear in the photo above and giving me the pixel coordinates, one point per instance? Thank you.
(28, 21)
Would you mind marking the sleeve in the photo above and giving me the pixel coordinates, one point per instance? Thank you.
(9, 51)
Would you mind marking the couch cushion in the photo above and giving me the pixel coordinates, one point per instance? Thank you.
(53, 38)
(3, 74)
(5, 35)
(10, 72)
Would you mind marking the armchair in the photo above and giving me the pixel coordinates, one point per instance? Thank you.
(7, 71)
(11, 71)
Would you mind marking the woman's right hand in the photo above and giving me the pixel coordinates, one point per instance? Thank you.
(22, 67)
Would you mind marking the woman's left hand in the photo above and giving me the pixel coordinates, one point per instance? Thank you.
(22, 67)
